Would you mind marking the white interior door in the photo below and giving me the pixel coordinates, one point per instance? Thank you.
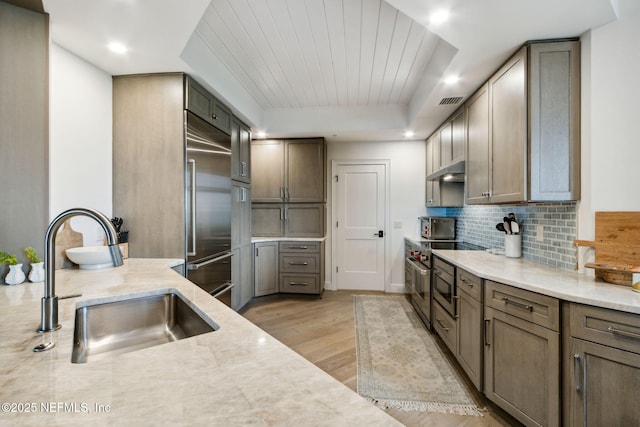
(360, 217)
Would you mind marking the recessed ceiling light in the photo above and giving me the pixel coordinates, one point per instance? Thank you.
(452, 80)
(409, 134)
(117, 47)
(261, 134)
(439, 16)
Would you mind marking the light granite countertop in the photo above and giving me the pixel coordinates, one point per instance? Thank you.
(555, 282)
(287, 239)
(237, 375)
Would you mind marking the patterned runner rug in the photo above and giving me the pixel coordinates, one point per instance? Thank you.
(399, 363)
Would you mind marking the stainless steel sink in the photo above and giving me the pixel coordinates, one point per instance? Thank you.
(135, 323)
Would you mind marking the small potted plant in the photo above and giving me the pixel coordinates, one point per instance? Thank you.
(15, 275)
(37, 266)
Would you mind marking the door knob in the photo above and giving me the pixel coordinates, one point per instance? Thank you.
(380, 233)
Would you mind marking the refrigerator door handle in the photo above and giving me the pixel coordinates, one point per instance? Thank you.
(224, 289)
(192, 162)
(197, 265)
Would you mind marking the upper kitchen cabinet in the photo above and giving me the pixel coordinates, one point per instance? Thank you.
(433, 154)
(201, 103)
(240, 151)
(291, 171)
(523, 141)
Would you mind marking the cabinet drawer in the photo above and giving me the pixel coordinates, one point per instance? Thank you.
(608, 327)
(299, 263)
(446, 327)
(300, 247)
(539, 309)
(300, 283)
(470, 284)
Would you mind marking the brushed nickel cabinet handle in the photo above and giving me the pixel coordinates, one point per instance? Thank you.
(298, 247)
(243, 168)
(214, 116)
(625, 334)
(487, 323)
(299, 283)
(442, 325)
(298, 263)
(518, 304)
(576, 371)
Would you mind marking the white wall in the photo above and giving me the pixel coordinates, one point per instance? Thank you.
(80, 140)
(610, 124)
(407, 166)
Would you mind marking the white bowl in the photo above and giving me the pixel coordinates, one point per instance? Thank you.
(91, 257)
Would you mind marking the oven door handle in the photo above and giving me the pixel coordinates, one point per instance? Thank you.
(422, 271)
(196, 266)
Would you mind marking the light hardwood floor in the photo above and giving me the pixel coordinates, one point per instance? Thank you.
(323, 331)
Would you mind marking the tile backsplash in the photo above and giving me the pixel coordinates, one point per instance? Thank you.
(477, 224)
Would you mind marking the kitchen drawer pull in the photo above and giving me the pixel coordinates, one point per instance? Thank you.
(625, 334)
(299, 247)
(487, 322)
(442, 325)
(469, 284)
(298, 283)
(518, 304)
(298, 263)
(214, 116)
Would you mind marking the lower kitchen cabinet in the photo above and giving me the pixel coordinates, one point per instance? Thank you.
(265, 268)
(446, 326)
(469, 347)
(522, 354)
(301, 267)
(602, 367)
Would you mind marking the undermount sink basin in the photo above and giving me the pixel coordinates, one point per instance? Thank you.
(135, 323)
(90, 257)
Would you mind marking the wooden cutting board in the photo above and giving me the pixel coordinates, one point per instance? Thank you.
(617, 246)
(66, 238)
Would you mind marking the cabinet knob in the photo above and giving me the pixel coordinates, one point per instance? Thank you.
(214, 117)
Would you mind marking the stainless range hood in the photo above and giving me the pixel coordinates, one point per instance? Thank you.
(452, 173)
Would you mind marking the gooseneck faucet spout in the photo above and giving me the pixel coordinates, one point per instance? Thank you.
(50, 300)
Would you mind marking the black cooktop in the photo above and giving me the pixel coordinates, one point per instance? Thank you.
(458, 246)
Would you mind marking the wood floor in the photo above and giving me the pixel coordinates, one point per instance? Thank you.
(323, 332)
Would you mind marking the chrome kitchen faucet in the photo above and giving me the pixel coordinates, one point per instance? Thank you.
(50, 300)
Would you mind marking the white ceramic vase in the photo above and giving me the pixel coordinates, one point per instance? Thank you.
(15, 275)
(37, 272)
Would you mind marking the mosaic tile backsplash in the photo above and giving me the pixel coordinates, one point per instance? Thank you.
(477, 224)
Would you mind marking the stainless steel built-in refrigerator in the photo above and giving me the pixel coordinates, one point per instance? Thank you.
(208, 207)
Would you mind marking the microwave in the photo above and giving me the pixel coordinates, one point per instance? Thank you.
(438, 228)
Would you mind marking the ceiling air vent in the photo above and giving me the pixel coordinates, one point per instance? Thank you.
(450, 101)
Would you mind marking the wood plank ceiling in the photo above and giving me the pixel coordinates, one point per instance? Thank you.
(319, 53)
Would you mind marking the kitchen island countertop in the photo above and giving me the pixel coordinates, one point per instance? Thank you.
(237, 375)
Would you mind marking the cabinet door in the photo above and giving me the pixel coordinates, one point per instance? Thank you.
(446, 148)
(522, 368)
(432, 187)
(220, 116)
(267, 220)
(305, 177)
(554, 97)
(304, 220)
(266, 268)
(240, 151)
(470, 336)
(457, 135)
(198, 100)
(478, 155)
(242, 277)
(604, 384)
(240, 214)
(508, 92)
(267, 171)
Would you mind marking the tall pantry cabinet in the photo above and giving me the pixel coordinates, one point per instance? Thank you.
(149, 164)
